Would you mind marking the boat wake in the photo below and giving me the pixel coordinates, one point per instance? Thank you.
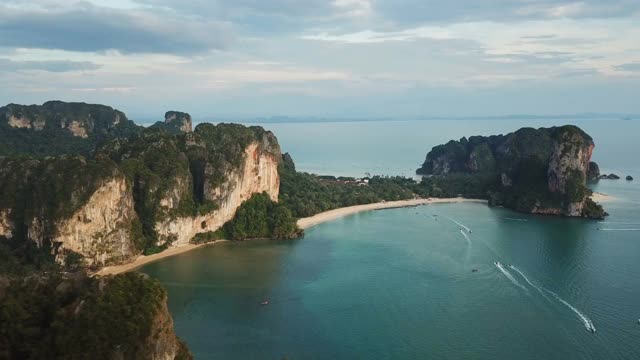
(618, 229)
(459, 224)
(618, 222)
(466, 237)
(528, 281)
(585, 320)
(508, 275)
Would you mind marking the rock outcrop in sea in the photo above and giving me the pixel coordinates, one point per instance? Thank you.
(540, 171)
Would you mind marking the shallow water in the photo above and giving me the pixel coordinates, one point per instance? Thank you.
(398, 284)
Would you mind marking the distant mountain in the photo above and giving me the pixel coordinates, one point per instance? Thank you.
(57, 127)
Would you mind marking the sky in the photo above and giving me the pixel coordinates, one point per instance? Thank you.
(324, 58)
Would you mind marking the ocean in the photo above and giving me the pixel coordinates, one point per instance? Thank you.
(399, 284)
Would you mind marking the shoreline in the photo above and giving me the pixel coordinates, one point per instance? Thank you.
(146, 259)
(601, 198)
(303, 223)
(306, 223)
(334, 214)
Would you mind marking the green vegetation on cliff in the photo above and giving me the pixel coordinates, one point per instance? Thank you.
(49, 189)
(57, 128)
(531, 170)
(50, 316)
(257, 218)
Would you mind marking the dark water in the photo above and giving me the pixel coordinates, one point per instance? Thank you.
(398, 284)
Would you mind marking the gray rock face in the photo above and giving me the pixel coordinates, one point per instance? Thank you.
(178, 120)
(538, 170)
(593, 172)
(629, 178)
(56, 128)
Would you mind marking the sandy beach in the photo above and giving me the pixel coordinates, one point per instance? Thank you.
(306, 223)
(303, 223)
(323, 217)
(600, 197)
(145, 259)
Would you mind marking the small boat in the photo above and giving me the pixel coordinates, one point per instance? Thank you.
(592, 330)
(474, 270)
(266, 302)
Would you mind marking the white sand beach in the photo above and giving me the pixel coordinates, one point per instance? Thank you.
(306, 223)
(600, 197)
(323, 217)
(303, 223)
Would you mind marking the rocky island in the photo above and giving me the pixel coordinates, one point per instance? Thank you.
(538, 171)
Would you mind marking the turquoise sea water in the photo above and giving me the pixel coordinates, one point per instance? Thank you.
(398, 284)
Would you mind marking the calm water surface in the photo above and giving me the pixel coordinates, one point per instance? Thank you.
(398, 284)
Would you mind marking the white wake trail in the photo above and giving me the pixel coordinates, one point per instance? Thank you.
(466, 237)
(527, 280)
(585, 320)
(618, 222)
(509, 276)
(459, 224)
(619, 229)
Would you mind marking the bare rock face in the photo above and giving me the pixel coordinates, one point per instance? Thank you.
(540, 171)
(593, 172)
(135, 194)
(259, 173)
(162, 341)
(57, 128)
(5, 223)
(101, 229)
(178, 120)
(568, 167)
(67, 204)
(79, 119)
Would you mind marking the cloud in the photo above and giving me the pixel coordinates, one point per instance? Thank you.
(370, 36)
(407, 12)
(632, 67)
(89, 28)
(47, 65)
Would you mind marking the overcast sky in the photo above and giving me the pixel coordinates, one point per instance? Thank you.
(333, 58)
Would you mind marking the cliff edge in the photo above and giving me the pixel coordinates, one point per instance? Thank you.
(134, 194)
(539, 171)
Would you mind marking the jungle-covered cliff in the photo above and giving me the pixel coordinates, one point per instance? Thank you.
(541, 171)
(51, 316)
(132, 192)
(57, 127)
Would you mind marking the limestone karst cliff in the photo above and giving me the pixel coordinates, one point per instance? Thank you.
(175, 122)
(139, 193)
(540, 171)
(57, 127)
(68, 203)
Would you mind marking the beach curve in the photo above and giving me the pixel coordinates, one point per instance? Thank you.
(303, 223)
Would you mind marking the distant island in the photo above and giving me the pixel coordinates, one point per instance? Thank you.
(538, 171)
(83, 187)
